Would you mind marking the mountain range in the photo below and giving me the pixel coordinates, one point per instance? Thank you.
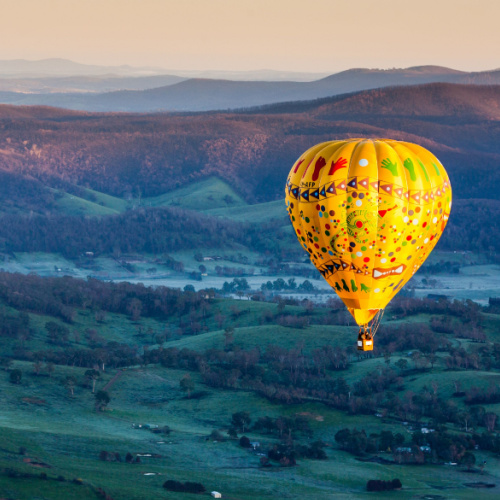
(183, 94)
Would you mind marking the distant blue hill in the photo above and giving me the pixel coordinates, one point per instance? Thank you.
(208, 95)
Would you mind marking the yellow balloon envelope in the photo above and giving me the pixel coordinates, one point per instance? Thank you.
(368, 212)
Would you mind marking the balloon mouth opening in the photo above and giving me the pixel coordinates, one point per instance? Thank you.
(363, 316)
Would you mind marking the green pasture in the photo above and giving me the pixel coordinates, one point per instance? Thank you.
(203, 195)
(67, 434)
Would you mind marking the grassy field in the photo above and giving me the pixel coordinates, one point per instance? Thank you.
(260, 213)
(62, 435)
(67, 434)
(211, 193)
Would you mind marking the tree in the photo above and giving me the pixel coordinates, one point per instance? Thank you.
(468, 460)
(69, 383)
(37, 366)
(58, 334)
(134, 308)
(16, 376)
(241, 420)
(386, 440)
(402, 364)
(228, 336)
(187, 385)
(50, 368)
(306, 286)
(102, 399)
(92, 375)
(490, 420)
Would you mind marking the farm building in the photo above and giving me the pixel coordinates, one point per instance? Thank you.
(216, 494)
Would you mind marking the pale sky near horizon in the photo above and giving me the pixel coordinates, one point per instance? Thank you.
(307, 35)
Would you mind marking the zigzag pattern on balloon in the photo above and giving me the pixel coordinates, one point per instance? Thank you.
(332, 266)
(312, 195)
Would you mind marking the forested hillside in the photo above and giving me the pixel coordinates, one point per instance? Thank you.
(147, 155)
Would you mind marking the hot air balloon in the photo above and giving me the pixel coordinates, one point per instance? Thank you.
(368, 212)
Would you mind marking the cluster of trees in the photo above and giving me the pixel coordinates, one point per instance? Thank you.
(358, 442)
(187, 487)
(477, 395)
(237, 285)
(287, 452)
(282, 427)
(467, 310)
(156, 231)
(61, 296)
(441, 267)
(436, 446)
(280, 285)
(233, 271)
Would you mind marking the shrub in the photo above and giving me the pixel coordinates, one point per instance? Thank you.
(16, 376)
(245, 442)
(379, 485)
(215, 435)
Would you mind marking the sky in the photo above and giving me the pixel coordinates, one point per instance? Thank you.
(287, 35)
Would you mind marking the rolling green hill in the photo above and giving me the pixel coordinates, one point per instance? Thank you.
(208, 194)
(258, 213)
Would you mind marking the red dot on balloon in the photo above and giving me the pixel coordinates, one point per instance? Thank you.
(316, 245)
(408, 238)
(432, 237)
(318, 207)
(359, 224)
(298, 231)
(366, 259)
(424, 224)
(393, 259)
(327, 226)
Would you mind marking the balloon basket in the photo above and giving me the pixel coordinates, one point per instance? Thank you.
(365, 344)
